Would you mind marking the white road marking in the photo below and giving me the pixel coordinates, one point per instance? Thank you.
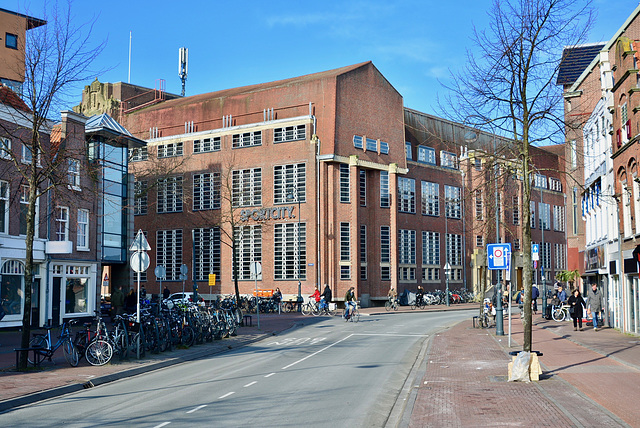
(252, 383)
(162, 424)
(226, 395)
(390, 334)
(316, 353)
(197, 408)
(270, 374)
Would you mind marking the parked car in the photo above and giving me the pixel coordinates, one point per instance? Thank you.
(185, 297)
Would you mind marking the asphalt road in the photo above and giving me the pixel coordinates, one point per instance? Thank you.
(330, 373)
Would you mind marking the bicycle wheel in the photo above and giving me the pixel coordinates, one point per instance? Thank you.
(70, 352)
(315, 310)
(99, 352)
(387, 306)
(356, 315)
(395, 306)
(37, 342)
(306, 309)
(188, 336)
(558, 315)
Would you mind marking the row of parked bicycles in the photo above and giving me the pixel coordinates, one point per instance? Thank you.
(162, 327)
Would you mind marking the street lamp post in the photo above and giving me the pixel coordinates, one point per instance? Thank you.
(447, 266)
(499, 309)
(290, 195)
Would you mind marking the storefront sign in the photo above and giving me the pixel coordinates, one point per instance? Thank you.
(594, 258)
(264, 214)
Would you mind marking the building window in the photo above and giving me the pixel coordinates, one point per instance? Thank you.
(140, 206)
(454, 255)
(407, 150)
(170, 195)
(430, 198)
(289, 133)
(345, 272)
(288, 259)
(448, 160)
(363, 188)
(5, 148)
(545, 256)
(345, 242)
(170, 150)
(574, 204)
(358, 142)
(62, 224)
(426, 155)
(363, 252)
(345, 194)
(11, 41)
(515, 203)
(4, 206)
(573, 153)
(533, 214)
(558, 218)
(385, 253)
(372, 145)
(560, 256)
(83, 230)
(206, 191)
(477, 164)
(73, 174)
(27, 155)
(516, 244)
(452, 202)
(430, 256)
(207, 252)
(479, 241)
(385, 198)
(407, 195)
(407, 249)
(247, 187)
(246, 139)
(384, 148)
(545, 216)
(24, 207)
(248, 241)
(555, 184)
(479, 205)
(206, 145)
(169, 252)
(138, 154)
(540, 181)
(288, 178)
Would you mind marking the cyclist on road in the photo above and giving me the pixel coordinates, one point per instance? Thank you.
(393, 295)
(562, 295)
(419, 295)
(349, 302)
(316, 295)
(326, 295)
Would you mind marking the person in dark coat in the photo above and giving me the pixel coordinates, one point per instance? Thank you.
(166, 293)
(576, 302)
(117, 301)
(535, 293)
(326, 294)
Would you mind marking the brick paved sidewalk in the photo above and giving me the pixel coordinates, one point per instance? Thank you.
(464, 380)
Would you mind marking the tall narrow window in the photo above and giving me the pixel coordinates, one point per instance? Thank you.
(430, 256)
(430, 198)
(62, 224)
(4, 206)
(363, 188)
(363, 252)
(345, 242)
(169, 252)
(206, 191)
(385, 253)
(515, 206)
(247, 187)
(345, 194)
(290, 254)
(140, 206)
(248, 249)
(452, 202)
(83, 230)
(385, 200)
(207, 252)
(170, 195)
(407, 250)
(5, 148)
(287, 179)
(479, 205)
(407, 149)
(73, 173)
(533, 214)
(407, 195)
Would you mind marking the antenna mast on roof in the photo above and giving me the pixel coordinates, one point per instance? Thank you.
(183, 66)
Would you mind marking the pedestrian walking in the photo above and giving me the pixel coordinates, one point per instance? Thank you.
(535, 293)
(166, 293)
(576, 302)
(595, 305)
(117, 301)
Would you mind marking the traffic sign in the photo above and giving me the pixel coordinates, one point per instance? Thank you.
(140, 243)
(499, 256)
(161, 272)
(535, 252)
(139, 261)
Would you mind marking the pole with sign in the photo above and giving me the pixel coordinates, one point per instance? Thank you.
(256, 269)
(499, 256)
(139, 262)
(161, 273)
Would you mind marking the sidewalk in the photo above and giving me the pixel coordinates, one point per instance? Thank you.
(589, 379)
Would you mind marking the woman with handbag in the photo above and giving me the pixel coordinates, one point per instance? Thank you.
(576, 302)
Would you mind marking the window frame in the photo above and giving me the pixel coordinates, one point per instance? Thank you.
(82, 230)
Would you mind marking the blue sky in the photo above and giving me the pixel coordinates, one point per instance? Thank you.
(413, 43)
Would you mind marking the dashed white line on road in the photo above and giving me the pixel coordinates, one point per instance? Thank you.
(270, 374)
(226, 395)
(197, 408)
(251, 383)
(162, 424)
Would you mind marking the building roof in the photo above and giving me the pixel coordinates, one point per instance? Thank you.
(31, 21)
(575, 60)
(11, 99)
(258, 87)
(106, 125)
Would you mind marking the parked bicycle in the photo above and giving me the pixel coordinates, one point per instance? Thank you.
(560, 312)
(47, 348)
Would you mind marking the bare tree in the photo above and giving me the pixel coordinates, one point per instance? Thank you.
(508, 86)
(57, 56)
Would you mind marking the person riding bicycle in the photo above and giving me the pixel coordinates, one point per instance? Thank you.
(326, 297)
(316, 295)
(562, 295)
(419, 295)
(393, 295)
(349, 302)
